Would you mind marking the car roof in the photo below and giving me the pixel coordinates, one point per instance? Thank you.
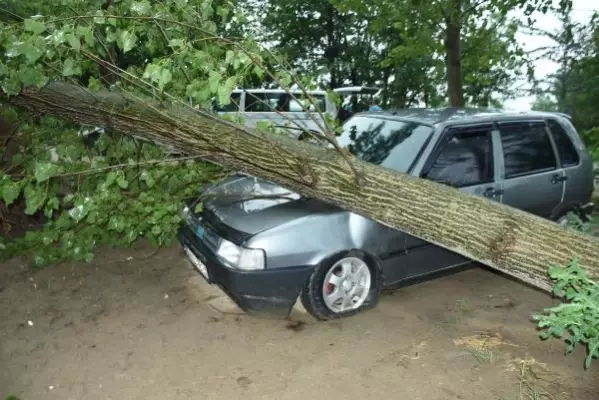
(279, 91)
(435, 116)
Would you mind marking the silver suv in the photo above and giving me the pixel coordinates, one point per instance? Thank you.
(266, 246)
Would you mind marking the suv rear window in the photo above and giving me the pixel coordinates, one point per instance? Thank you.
(390, 143)
(567, 152)
(527, 148)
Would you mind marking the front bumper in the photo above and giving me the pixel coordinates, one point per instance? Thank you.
(265, 293)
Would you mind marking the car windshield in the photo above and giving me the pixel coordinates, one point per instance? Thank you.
(390, 143)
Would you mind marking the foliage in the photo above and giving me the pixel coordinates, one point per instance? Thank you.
(578, 317)
(110, 191)
(114, 189)
(401, 46)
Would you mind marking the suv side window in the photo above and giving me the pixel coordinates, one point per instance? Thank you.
(567, 152)
(527, 148)
(233, 106)
(465, 158)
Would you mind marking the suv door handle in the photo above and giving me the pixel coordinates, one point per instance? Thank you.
(555, 179)
(492, 192)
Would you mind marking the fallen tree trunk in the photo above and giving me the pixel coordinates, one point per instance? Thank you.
(509, 240)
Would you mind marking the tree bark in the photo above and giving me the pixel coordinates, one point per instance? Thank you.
(509, 240)
(453, 39)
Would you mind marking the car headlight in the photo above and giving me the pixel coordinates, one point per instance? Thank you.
(240, 257)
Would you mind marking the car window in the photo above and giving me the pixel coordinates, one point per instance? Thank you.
(567, 152)
(465, 158)
(233, 106)
(527, 148)
(390, 143)
(260, 102)
(282, 102)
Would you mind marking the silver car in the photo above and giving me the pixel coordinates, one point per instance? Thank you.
(266, 246)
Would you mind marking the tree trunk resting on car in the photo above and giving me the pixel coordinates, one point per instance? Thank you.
(504, 238)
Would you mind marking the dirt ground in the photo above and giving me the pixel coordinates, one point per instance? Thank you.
(140, 325)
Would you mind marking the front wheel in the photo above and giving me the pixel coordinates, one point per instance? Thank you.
(342, 287)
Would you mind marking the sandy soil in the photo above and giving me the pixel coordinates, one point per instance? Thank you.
(138, 325)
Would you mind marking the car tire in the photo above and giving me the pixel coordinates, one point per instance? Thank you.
(313, 293)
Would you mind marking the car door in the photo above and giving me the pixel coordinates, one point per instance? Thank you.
(463, 159)
(578, 170)
(532, 180)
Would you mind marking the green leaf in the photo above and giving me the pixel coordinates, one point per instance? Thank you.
(214, 80)
(122, 182)
(35, 196)
(110, 179)
(131, 236)
(87, 33)
(32, 50)
(32, 76)
(141, 8)
(116, 223)
(99, 18)
(3, 69)
(126, 40)
(263, 126)
(229, 57)
(224, 95)
(147, 177)
(156, 230)
(223, 12)
(94, 84)
(176, 43)
(74, 42)
(44, 171)
(79, 212)
(165, 77)
(69, 68)
(51, 205)
(34, 26)
(9, 190)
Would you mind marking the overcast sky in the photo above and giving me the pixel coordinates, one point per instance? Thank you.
(582, 11)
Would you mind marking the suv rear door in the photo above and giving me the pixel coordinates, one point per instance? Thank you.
(533, 181)
(577, 167)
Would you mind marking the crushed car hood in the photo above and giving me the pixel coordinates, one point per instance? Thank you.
(252, 205)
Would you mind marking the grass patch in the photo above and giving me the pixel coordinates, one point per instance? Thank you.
(485, 356)
(529, 387)
(460, 306)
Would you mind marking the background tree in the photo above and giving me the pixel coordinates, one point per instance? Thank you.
(574, 88)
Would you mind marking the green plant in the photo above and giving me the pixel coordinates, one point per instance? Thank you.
(577, 223)
(578, 317)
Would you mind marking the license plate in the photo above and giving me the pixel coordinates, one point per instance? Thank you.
(199, 265)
